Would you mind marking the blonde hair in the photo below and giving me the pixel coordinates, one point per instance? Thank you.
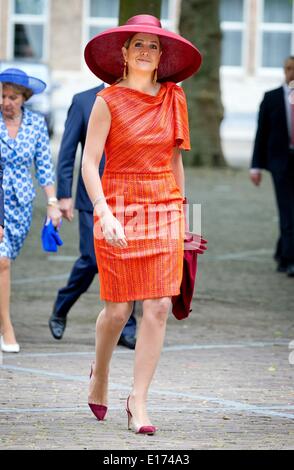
(128, 41)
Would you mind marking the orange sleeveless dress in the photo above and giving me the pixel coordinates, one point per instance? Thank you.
(141, 190)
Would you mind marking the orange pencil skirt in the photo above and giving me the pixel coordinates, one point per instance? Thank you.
(149, 206)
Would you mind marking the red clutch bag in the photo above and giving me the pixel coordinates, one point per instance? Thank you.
(193, 246)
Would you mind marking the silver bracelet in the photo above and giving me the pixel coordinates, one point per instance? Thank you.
(98, 199)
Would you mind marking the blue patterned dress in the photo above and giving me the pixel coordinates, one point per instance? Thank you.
(31, 145)
(1, 197)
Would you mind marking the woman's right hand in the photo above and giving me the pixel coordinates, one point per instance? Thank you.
(1, 233)
(54, 214)
(112, 229)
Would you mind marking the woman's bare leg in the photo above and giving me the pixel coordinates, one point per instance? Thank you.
(5, 322)
(109, 326)
(148, 348)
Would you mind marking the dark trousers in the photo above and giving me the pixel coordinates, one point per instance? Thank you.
(83, 273)
(284, 191)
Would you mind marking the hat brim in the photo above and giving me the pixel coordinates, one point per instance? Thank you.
(34, 84)
(179, 60)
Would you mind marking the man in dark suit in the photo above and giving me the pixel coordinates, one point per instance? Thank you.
(1, 205)
(85, 268)
(274, 151)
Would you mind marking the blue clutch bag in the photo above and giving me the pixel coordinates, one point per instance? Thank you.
(50, 236)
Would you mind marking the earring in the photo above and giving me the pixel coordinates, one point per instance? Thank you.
(125, 74)
(155, 76)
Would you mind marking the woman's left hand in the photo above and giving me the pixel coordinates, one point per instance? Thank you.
(54, 214)
(1, 233)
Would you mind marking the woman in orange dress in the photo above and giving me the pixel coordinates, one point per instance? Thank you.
(142, 122)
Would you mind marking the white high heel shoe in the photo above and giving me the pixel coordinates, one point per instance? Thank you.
(9, 348)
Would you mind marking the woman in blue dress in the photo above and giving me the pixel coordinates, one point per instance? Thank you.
(23, 142)
(1, 205)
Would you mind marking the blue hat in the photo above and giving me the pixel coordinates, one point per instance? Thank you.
(19, 77)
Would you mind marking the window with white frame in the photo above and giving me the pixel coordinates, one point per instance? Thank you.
(276, 32)
(103, 14)
(28, 28)
(233, 28)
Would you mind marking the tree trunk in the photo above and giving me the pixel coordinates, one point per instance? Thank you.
(129, 8)
(200, 24)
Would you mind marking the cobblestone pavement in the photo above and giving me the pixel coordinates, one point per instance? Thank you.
(224, 379)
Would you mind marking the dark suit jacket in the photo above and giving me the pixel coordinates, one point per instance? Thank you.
(74, 133)
(1, 198)
(271, 148)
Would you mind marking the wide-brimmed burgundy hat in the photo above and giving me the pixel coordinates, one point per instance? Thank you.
(179, 60)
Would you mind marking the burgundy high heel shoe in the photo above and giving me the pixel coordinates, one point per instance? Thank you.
(149, 430)
(98, 410)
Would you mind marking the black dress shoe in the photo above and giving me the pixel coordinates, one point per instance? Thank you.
(57, 326)
(127, 341)
(290, 270)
